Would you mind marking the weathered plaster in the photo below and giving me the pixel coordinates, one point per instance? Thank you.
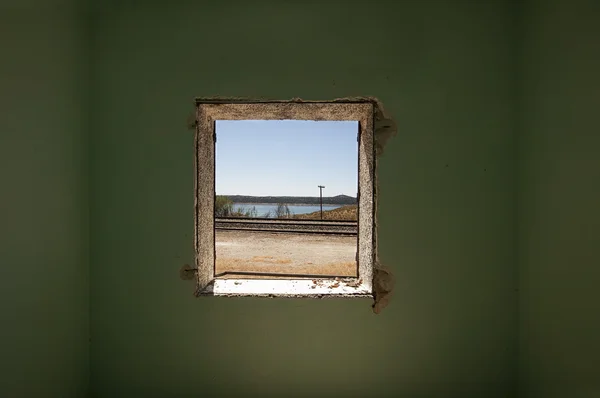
(374, 280)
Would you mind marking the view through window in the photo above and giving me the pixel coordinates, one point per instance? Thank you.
(286, 198)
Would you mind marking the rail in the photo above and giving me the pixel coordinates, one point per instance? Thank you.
(328, 227)
(291, 220)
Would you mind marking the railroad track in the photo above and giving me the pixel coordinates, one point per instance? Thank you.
(329, 227)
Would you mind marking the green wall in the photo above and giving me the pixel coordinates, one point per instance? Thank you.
(44, 223)
(445, 72)
(488, 207)
(559, 203)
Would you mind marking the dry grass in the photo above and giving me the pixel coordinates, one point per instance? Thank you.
(268, 264)
(349, 212)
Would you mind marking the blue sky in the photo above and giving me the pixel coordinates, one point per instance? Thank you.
(286, 157)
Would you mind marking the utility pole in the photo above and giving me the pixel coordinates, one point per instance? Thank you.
(321, 198)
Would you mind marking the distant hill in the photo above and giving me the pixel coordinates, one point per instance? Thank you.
(290, 200)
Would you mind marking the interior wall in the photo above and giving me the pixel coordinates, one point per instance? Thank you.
(447, 206)
(559, 187)
(44, 285)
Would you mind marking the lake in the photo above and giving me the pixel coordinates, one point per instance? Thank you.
(263, 208)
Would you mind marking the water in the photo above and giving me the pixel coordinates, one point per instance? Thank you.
(264, 208)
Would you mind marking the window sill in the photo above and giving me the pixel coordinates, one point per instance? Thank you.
(313, 288)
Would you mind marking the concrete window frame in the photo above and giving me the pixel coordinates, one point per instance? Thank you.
(207, 113)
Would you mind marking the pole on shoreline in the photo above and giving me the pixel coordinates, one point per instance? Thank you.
(321, 198)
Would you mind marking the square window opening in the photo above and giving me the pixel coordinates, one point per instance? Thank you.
(265, 225)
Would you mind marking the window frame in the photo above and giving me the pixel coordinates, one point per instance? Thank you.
(207, 113)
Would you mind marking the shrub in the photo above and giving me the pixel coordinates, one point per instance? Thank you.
(224, 208)
(283, 211)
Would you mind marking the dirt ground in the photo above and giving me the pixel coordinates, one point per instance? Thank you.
(285, 253)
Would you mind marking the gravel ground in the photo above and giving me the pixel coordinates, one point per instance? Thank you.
(285, 253)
